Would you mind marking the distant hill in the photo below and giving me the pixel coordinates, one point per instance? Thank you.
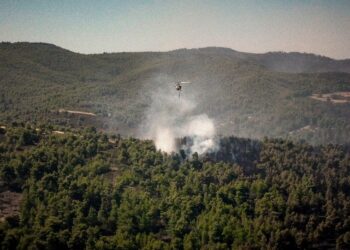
(250, 95)
(293, 62)
(301, 62)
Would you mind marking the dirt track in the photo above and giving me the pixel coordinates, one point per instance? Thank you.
(336, 97)
(76, 112)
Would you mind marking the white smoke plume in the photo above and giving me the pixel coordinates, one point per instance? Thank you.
(170, 117)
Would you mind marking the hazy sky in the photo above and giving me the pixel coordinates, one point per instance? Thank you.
(321, 27)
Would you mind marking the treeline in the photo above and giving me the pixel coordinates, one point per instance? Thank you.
(85, 190)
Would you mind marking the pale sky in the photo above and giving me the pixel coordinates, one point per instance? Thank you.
(320, 27)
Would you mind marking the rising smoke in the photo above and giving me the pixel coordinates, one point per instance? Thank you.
(170, 117)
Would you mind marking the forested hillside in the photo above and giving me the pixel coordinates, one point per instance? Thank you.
(82, 189)
(300, 96)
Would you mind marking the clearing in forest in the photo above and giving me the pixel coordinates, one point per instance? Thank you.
(336, 97)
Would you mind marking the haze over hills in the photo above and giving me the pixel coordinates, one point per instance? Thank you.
(251, 95)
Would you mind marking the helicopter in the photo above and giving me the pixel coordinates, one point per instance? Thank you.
(178, 86)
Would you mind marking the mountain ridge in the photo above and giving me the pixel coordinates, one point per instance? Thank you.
(243, 55)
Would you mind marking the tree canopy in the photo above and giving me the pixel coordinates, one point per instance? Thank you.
(82, 190)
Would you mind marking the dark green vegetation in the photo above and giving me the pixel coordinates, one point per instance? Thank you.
(248, 95)
(84, 190)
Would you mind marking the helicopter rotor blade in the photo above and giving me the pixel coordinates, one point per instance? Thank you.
(179, 82)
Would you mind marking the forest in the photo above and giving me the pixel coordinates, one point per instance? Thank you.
(248, 95)
(85, 189)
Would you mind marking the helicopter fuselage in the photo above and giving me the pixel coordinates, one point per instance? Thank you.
(178, 87)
